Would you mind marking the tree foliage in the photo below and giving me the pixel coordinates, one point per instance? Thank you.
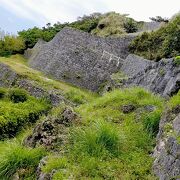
(85, 23)
(11, 45)
(159, 44)
(115, 24)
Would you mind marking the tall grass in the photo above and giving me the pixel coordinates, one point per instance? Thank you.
(14, 157)
(97, 140)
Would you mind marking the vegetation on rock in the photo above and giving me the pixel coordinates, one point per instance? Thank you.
(159, 44)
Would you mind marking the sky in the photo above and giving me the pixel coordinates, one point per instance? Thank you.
(16, 15)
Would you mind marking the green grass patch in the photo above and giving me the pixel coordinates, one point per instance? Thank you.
(110, 144)
(177, 60)
(17, 110)
(174, 101)
(16, 158)
(99, 139)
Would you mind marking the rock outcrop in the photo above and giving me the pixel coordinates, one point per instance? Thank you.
(52, 132)
(167, 152)
(161, 77)
(80, 58)
(10, 78)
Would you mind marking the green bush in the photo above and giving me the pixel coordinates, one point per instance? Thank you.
(2, 93)
(163, 43)
(14, 116)
(18, 95)
(11, 45)
(177, 60)
(16, 158)
(130, 25)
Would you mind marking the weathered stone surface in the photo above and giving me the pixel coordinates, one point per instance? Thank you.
(30, 52)
(151, 26)
(167, 152)
(134, 64)
(161, 77)
(40, 174)
(128, 108)
(80, 58)
(7, 76)
(52, 132)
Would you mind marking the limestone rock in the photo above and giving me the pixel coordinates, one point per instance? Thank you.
(128, 108)
(52, 132)
(167, 152)
(161, 77)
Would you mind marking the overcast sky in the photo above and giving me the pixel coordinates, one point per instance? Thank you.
(16, 15)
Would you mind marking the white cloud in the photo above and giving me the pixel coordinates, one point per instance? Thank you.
(43, 11)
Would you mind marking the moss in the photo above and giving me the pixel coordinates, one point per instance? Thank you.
(162, 72)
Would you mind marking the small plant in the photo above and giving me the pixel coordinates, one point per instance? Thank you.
(18, 95)
(2, 93)
(177, 60)
(162, 72)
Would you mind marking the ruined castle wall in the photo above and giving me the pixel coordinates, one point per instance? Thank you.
(80, 58)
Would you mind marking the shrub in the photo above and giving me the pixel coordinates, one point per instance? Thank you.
(98, 140)
(177, 60)
(111, 24)
(131, 25)
(14, 157)
(18, 95)
(2, 93)
(163, 43)
(11, 45)
(13, 116)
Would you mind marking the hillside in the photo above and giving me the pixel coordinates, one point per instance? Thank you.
(90, 103)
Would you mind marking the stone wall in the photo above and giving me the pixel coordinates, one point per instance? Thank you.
(135, 64)
(80, 58)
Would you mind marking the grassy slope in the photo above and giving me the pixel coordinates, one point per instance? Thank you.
(19, 64)
(108, 144)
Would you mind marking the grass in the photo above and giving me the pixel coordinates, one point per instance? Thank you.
(74, 94)
(110, 144)
(97, 140)
(16, 158)
(174, 101)
(177, 60)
